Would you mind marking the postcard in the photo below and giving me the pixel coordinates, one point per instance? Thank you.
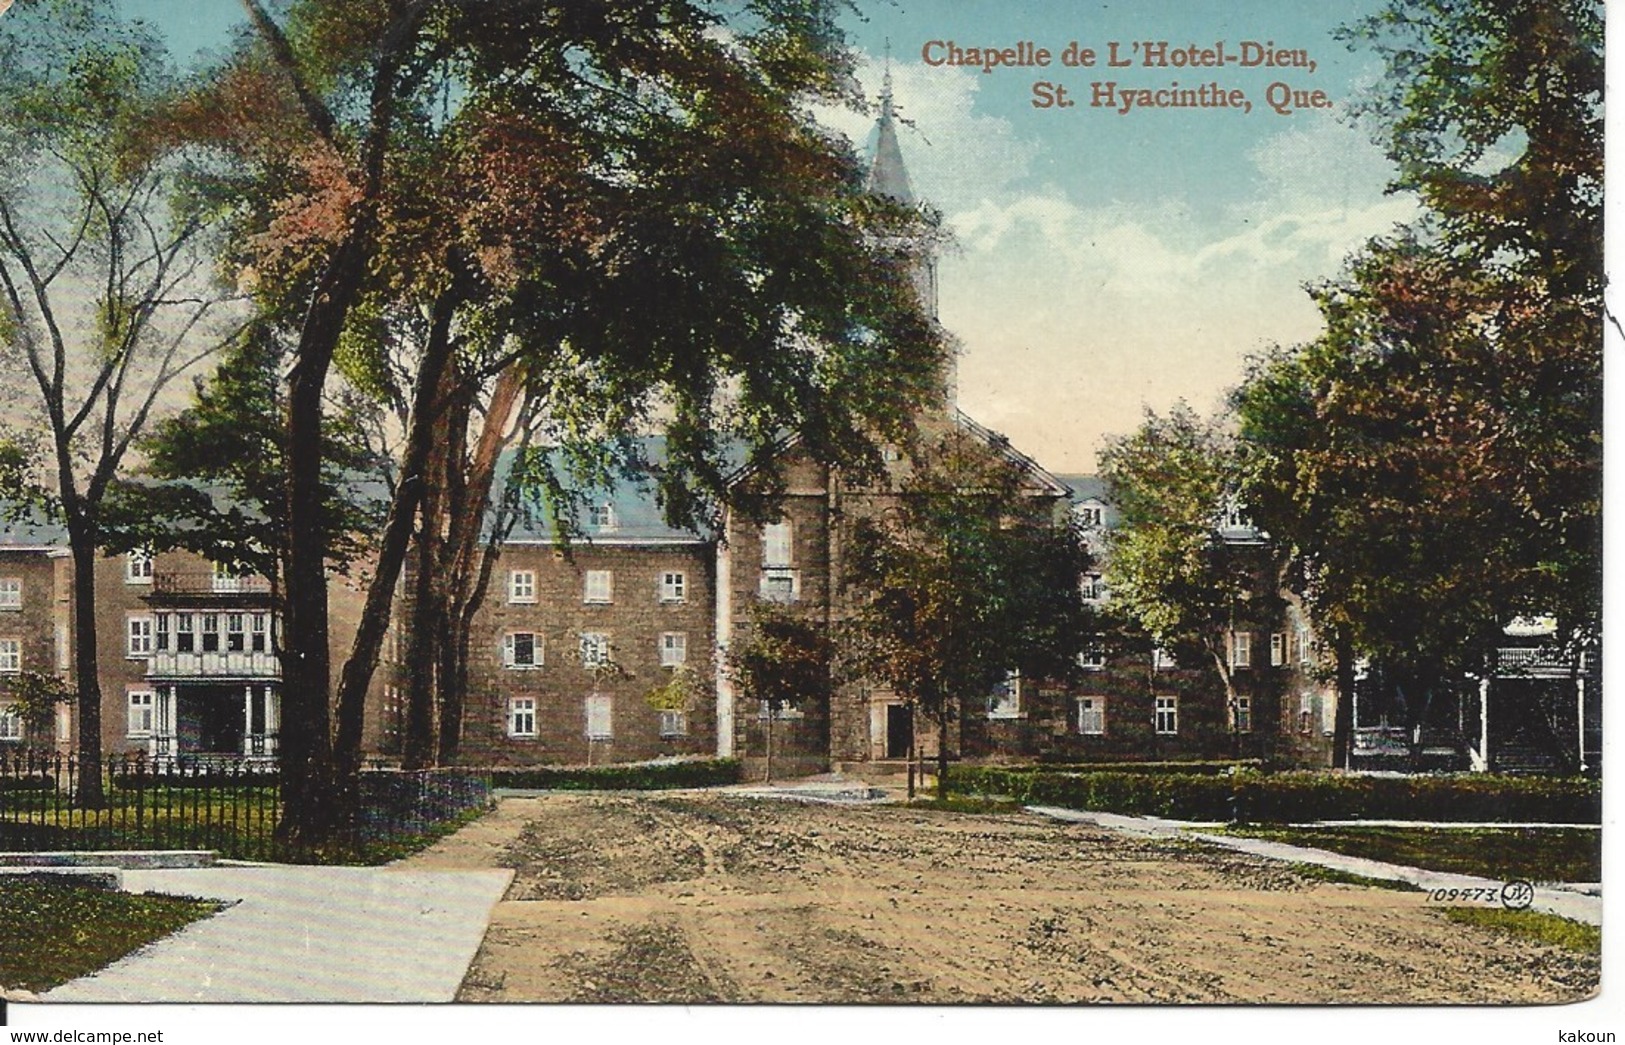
(801, 518)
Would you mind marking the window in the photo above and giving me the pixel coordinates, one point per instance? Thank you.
(1242, 714)
(1241, 649)
(521, 586)
(257, 637)
(1005, 700)
(11, 593)
(211, 633)
(1092, 716)
(138, 566)
(776, 544)
(522, 717)
(1278, 649)
(1305, 722)
(235, 642)
(780, 584)
(140, 716)
(521, 649)
(1091, 515)
(11, 656)
(140, 644)
(601, 516)
(1093, 587)
(673, 724)
(160, 640)
(594, 649)
(673, 586)
(673, 648)
(1167, 721)
(1093, 657)
(1162, 660)
(1306, 646)
(600, 586)
(600, 717)
(63, 647)
(11, 723)
(184, 638)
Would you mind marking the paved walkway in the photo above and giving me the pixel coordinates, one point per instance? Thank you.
(1581, 902)
(306, 934)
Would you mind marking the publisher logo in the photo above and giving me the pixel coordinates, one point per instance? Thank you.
(1516, 895)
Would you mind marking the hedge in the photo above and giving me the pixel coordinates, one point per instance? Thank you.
(632, 776)
(1195, 768)
(1298, 796)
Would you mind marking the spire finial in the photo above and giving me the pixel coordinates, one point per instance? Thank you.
(885, 83)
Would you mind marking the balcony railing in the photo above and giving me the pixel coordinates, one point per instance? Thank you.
(215, 663)
(1538, 660)
(205, 582)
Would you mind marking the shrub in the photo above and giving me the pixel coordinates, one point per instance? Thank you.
(1298, 796)
(633, 776)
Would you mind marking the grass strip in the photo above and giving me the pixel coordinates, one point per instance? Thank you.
(51, 933)
(1536, 926)
(1538, 854)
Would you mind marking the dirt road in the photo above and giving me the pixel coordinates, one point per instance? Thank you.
(711, 897)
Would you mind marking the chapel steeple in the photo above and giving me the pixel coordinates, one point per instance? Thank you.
(888, 176)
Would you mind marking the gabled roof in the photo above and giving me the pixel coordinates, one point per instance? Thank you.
(1001, 444)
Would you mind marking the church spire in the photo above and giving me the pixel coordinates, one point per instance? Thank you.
(887, 175)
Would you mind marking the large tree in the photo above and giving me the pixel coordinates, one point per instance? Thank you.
(968, 576)
(105, 295)
(1435, 455)
(630, 201)
(1172, 566)
(782, 659)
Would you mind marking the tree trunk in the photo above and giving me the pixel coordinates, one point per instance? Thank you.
(82, 546)
(1343, 720)
(769, 772)
(942, 752)
(403, 508)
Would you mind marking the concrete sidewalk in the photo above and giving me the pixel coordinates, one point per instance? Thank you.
(306, 934)
(1581, 902)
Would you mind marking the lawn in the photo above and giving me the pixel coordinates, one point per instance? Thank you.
(1532, 925)
(1535, 854)
(52, 933)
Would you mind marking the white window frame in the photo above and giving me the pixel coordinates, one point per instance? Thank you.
(522, 587)
(1092, 587)
(1092, 716)
(594, 649)
(259, 632)
(1166, 722)
(673, 649)
(510, 650)
(673, 586)
(601, 517)
(769, 591)
(1277, 649)
(1243, 714)
(140, 705)
(11, 593)
(1093, 655)
(185, 625)
(1241, 649)
(673, 723)
(521, 716)
(11, 723)
(138, 636)
(11, 656)
(1306, 647)
(779, 544)
(600, 715)
(598, 587)
(138, 566)
(236, 636)
(1091, 516)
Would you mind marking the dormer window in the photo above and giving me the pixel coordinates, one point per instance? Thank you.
(1092, 516)
(601, 517)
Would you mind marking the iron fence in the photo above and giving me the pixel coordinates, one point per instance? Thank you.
(231, 805)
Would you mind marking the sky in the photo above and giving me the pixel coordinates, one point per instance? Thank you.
(1101, 263)
(1104, 263)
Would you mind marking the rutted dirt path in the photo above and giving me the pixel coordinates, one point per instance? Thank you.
(712, 897)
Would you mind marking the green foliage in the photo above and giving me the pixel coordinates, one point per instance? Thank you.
(781, 658)
(35, 696)
(1298, 797)
(1538, 854)
(53, 933)
(1534, 926)
(639, 776)
(682, 691)
(969, 576)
